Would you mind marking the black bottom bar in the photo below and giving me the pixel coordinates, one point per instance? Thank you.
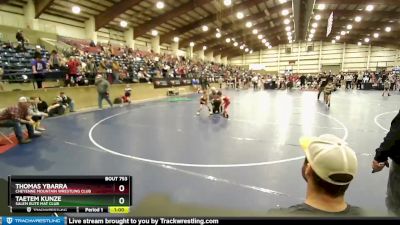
(213, 221)
(44, 209)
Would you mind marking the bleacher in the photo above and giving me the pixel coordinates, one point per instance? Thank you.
(17, 65)
(80, 44)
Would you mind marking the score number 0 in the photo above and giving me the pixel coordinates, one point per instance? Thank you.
(121, 200)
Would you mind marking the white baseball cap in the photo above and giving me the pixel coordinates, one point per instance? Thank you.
(22, 99)
(331, 158)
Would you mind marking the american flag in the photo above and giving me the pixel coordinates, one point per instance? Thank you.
(330, 23)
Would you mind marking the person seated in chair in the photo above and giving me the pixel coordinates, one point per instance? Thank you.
(15, 116)
(57, 108)
(68, 102)
(42, 105)
(37, 115)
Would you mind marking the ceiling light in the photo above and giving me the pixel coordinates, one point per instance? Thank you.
(227, 2)
(249, 24)
(264, 40)
(388, 29)
(204, 47)
(260, 36)
(204, 28)
(241, 47)
(376, 35)
(317, 17)
(176, 39)
(337, 38)
(154, 32)
(76, 9)
(366, 40)
(333, 41)
(239, 15)
(123, 23)
(267, 43)
(359, 43)
(160, 5)
(255, 31)
(285, 12)
(246, 50)
(290, 42)
(349, 27)
(312, 31)
(269, 46)
(289, 33)
(288, 28)
(309, 39)
(358, 19)
(228, 40)
(235, 44)
(290, 38)
(286, 21)
(310, 35)
(369, 8)
(218, 35)
(314, 25)
(342, 32)
(347, 32)
(321, 6)
(282, 1)
(251, 51)
(191, 44)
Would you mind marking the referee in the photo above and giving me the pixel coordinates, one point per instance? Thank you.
(390, 148)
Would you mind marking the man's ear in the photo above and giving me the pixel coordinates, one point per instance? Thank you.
(307, 170)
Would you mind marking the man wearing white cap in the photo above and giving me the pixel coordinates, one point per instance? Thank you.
(14, 116)
(328, 169)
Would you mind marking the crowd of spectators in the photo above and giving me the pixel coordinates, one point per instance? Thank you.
(84, 60)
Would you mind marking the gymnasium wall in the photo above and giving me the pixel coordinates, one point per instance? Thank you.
(49, 26)
(347, 57)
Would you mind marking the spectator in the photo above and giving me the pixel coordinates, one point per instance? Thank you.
(328, 169)
(116, 72)
(102, 86)
(204, 83)
(42, 105)
(389, 148)
(21, 39)
(67, 101)
(143, 76)
(91, 70)
(14, 116)
(38, 68)
(386, 87)
(73, 65)
(55, 60)
(37, 116)
(127, 95)
(1, 77)
(57, 108)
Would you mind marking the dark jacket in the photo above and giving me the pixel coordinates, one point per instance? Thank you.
(390, 147)
(66, 100)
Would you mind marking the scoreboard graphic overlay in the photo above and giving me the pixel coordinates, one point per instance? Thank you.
(88, 194)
